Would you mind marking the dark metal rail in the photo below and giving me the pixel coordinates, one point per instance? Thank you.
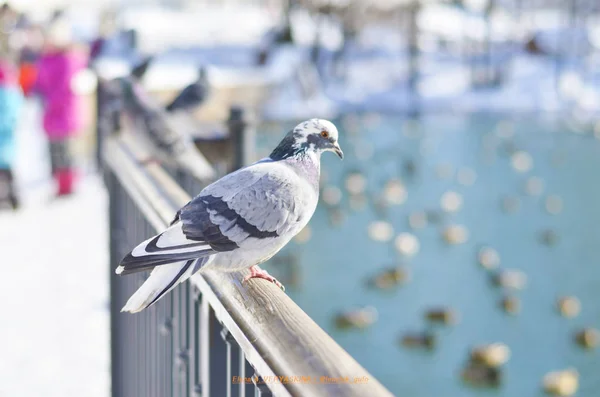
(211, 336)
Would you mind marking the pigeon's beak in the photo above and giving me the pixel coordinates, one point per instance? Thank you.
(338, 150)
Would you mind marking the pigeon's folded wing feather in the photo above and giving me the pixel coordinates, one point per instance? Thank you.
(241, 208)
(167, 247)
(269, 205)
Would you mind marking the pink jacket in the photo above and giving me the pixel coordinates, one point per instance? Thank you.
(63, 109)
(8, 74)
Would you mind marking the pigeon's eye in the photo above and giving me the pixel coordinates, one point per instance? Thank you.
(325, 134)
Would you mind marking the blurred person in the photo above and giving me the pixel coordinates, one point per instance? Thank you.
(8, 23)
(106, 30)
(10, 102)
(59, 64)
(29, 53)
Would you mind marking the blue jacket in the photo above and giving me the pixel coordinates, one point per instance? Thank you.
(10, 104)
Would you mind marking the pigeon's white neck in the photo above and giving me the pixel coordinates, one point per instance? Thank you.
(306, 164)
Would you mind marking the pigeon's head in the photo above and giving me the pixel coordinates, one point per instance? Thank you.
(313, 136)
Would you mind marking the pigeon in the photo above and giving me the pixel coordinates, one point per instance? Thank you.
(159, 133)
(239, 221)
(191, 96)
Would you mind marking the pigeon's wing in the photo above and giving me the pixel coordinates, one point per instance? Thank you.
(244, 208)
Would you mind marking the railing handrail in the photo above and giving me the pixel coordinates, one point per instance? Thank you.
(277, 337)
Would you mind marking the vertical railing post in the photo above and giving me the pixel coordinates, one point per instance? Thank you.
(413, 59)
(226, 335)
(165, 332)
(487, 61)
(212, 354)
(116, 237)
(99, 124)
(110, 181)
(205, 347)
(179, 354)
(242, 373)
(108, 115)
(242, 136)
(195, 366)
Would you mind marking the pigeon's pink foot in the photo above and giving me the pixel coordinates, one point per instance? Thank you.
(257, 272)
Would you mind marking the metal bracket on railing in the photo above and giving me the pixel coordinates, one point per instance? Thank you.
(226, 335)
(181, 360)
(166, 327)
(196, 293)
(263, 389)
(197, 390)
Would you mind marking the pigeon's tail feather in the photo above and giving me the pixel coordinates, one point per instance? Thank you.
(168, 247)
(162, 280)
(194, 163)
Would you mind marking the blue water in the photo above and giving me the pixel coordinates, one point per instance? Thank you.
(332, 268)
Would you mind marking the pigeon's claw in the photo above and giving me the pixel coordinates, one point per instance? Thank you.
(148, 161)
(257, 272)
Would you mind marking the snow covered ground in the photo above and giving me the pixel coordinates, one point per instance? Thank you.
(54, 334)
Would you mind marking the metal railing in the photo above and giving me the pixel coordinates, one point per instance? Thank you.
(211, 336)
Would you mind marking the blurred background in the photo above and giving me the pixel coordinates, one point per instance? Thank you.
(454, 250)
